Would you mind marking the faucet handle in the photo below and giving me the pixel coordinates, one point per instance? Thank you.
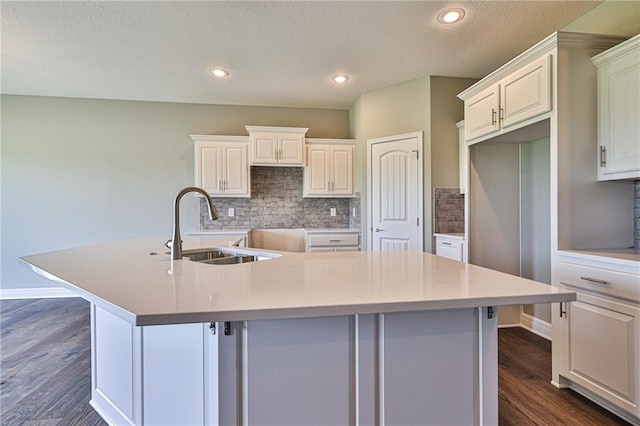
(169, 243)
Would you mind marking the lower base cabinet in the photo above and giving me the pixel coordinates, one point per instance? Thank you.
(596, 339)
(401, 368)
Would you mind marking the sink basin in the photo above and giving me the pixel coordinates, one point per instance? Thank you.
(204, 255)
(215, 256)
(230, 260)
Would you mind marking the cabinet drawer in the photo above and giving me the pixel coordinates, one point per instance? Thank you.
(449, 249)
(597, 279)
(334, 240)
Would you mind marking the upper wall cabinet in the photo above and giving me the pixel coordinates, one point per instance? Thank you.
(329, 171)
(277, 146)
(518, 97)
(619, 111)
(222, 165)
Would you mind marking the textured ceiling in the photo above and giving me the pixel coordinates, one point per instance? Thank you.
(279, 53)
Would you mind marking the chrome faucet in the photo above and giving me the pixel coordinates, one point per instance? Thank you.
(176, 241)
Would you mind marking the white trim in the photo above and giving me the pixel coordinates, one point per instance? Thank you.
(35, 293)
(535, 325)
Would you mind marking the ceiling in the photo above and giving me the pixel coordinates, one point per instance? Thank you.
(278, 53)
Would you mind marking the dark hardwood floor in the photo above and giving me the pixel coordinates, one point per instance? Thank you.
(45, 371)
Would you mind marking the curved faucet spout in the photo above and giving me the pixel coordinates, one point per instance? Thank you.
(176, 241)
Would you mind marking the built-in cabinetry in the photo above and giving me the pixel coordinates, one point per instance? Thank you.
(222, 165)
(277, 146)
(597, 338)
(451, 246)
(619, 111)
(326, 240)
(463, 158)
(515, 97)
(533, 194)
(330, 167)
(393, 368)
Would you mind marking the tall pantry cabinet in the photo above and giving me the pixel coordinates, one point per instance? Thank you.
(534, 200)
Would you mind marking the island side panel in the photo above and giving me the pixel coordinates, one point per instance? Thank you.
(428, 368)
(298, 371)
(115, 368)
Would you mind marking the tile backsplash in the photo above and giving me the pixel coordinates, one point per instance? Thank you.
(448, 205)
(276, 202)
(636, 215)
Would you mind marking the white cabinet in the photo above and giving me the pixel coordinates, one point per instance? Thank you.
(517, 97)
(329, 170)
(450, 246)
(597, 338)
(463, 158)
(333, 240)
(619, 111)
(395, 368)
(221, 165)
(277, 146)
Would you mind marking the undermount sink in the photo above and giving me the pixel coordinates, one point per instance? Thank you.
(214, 256)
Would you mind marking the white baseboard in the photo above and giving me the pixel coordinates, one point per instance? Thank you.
(535, 325)
(35, 293)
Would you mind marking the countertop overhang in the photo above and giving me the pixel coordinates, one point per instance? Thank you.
(137, 280)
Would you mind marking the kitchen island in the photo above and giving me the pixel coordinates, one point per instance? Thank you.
(301, 338)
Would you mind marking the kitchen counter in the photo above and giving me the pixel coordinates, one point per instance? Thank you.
(399, 337)
(143, 288)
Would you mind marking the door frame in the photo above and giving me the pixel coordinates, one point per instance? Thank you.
(370, 143)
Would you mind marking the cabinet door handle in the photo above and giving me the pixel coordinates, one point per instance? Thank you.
(595, 280)
(563, 312)
(220, 185)
(603, 156)
(493, 116)
(501, 115)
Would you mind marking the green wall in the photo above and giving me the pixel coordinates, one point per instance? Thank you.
(80, 171)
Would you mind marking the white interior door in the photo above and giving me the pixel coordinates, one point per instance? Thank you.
(395, 188)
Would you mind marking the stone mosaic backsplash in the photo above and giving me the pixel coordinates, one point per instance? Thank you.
(448, 208)
(276, 202)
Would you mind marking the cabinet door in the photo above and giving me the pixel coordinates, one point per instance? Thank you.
(209, 167)
(603, 349)
(316, 174)
(342, 170)
(264, 148)
(481, 113)
(235, 180)
(526, 93)
(619, 118)
(290, 149)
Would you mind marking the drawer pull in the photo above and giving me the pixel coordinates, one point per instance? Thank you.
(444, 243)
(595, 280)
(334, 241)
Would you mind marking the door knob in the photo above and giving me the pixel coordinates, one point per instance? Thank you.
(378, 229)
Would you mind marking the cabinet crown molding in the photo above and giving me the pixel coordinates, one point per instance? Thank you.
(219, 138)
(555, 40)
(269, 129)
(625, 48)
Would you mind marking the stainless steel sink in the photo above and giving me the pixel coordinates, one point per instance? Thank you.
(215, 256)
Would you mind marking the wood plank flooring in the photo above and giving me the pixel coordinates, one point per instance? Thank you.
(45, 372)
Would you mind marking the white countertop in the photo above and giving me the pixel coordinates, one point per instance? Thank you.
(452, 235)
(145, 289)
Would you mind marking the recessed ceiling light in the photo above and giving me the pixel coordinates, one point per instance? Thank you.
(450, 16)
(341, 78)
(219, 72)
